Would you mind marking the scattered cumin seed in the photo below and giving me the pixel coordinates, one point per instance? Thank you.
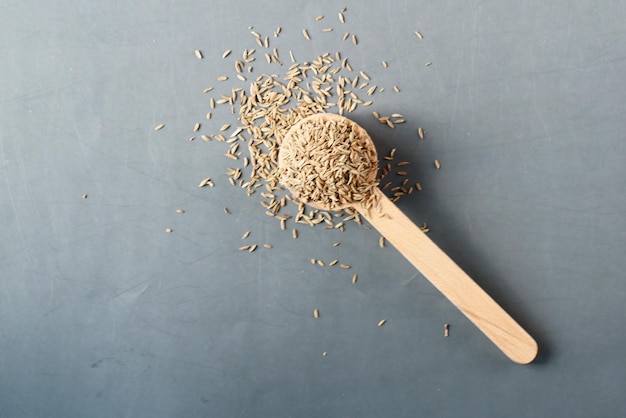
(420, 132)
(384, 63)
(319, 18)
(419, 35)
(446, 330)
(336, 244)
(396, 89)
(437, 164)
(222, 78)
(294, 233)
(244, 248)
(252, 248)
(355, 41)
(313, 261)
(327, 30)
(205, 182)
(345, 36)
(382, 322)
(345, 266)
(342, 19)
(180, 211)
(85, 196)
(316, 313)
(225, 127)
(306, 34)
(208, 89)
(428, 64)
(227, 211)
(198, 54)
(321, 263)
(381, 242)
(168, 230)
(332, 263)
(159, 127)
(245, 235)
(226, 53)
(196, 127)
(268, 246)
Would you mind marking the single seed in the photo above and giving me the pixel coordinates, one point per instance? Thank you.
(226, 53)
(85, 196)
(306, 34)
(437, 164)
(344, 266)
(419, 35)
(227, 211)
(324, 354)
(244, 248)
(209, 115)
(159, 127)
(225, 127)
(332, 263)
(191, 138)
(205, 182)
(355, 277)
(396, 89)
(222, 78)
(428, 64)
(196, 127)
(327, 30)
(446, 330)
(336, 244)
(294, 233)
(313, 261)
(168, 230)
(420, 132)
(245, 235)
(342, 19)
(180, 211)
(382, 322)
(208, 89)
(381, 242)
(240, 77)
(319, 18)
(198, 54)
(252, 248)
(316, 313)
(268, 246)
(355, 41)
(321, 263)
(385, 65)
(345, 36)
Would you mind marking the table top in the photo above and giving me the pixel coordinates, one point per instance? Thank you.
(105, 313)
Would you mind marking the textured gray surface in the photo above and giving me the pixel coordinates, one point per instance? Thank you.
(104, 314)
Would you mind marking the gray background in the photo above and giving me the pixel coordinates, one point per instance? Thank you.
(104, 314)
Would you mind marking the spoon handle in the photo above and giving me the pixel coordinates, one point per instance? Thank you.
(453, 282)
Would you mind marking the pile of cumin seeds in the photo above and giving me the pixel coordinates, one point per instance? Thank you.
(274, 101)
(341, 161)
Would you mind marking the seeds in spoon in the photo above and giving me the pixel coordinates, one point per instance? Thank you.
(329, 162)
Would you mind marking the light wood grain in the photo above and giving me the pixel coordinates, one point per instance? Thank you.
(453, 282)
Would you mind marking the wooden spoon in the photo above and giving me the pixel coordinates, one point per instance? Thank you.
(429, 259)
